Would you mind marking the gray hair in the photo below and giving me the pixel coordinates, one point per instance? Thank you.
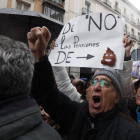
(16, 68)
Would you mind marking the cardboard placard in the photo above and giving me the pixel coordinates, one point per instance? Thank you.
(93, 40)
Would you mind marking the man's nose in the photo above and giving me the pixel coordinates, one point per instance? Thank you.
(97, 87)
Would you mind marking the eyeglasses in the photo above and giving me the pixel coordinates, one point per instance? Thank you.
(103, 82)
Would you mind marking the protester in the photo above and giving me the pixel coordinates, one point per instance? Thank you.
(20, 116)
(97, 118)
(80, 86)
(65, 86)
(74, 82)
(135, 109)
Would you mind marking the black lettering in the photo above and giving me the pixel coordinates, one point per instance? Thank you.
(76, 40)
(68, 57)
(69, 27)
(99, 27)
(58, 57)
(62, 41)
(72, 28)
(97, 44)
(114, 23)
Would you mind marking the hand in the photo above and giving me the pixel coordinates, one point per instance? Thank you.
(52, 45)
(46, 117)
(38, 39)
(127, 44)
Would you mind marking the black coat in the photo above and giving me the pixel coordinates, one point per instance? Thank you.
(74, 117)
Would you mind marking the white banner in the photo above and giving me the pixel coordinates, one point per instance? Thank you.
(93, 40)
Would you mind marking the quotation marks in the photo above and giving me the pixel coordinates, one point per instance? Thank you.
(119, 17)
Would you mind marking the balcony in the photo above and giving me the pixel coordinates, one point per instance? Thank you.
(133, 37)
(128, 33)
(117, 9)
(133, 21)
(107, 2)
(85, 11)
(56, 2)
(138, 40)
(138, 24)
(126, 15)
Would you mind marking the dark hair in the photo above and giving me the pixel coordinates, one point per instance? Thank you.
(135, 77)
(81, 84)
(136, 85)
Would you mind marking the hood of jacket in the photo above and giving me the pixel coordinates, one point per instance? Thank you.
(14, 115)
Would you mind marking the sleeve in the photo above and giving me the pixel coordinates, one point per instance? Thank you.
(56, 104)
(64, 84)
(125, 78)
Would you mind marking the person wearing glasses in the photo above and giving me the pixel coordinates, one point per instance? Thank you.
(98, 118)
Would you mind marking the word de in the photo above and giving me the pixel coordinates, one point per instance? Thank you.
(65, 57)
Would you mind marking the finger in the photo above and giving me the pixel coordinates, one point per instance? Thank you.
(39, 28)
(38, 34)
(53, 43)
(31, 37)
(125, 36)
(46, 33)
(128, 43)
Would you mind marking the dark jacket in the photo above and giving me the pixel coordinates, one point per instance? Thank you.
(20, 119)
(74, 117)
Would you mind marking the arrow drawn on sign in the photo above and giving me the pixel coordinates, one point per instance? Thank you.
(87, 57)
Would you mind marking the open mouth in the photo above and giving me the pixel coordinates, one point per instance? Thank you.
(96, 101)
(108, 60)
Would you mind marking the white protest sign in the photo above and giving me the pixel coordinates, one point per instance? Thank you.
(93, 40)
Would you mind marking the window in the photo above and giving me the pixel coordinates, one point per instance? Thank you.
(125, 10)
(138, 22)
(87, 7)
(125, 27)
(132, 30)
(116, 4)
(19, 5)
(53, 13)
(132, 16)
(138, 36)
(22, 6)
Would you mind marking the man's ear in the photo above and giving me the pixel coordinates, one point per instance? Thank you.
(117, 97)
(78, 88)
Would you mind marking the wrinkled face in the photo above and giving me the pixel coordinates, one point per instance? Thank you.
(138, 96)
(101, 99)
(109, 59)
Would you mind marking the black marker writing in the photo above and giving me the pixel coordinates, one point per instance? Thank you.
(114, 23)
(91, 19)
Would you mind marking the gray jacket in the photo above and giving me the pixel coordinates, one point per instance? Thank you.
(20, 119)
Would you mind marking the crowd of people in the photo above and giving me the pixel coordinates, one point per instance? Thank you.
(41, 102)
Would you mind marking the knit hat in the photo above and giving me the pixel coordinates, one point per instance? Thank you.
(114, 76)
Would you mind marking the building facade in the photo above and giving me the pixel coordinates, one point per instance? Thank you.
(51, 8)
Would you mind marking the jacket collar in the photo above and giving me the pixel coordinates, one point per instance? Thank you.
(15, 113)
(102, 119)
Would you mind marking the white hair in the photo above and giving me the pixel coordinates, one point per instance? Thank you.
(16, 68)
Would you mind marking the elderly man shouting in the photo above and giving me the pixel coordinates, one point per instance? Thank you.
(98, 118)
